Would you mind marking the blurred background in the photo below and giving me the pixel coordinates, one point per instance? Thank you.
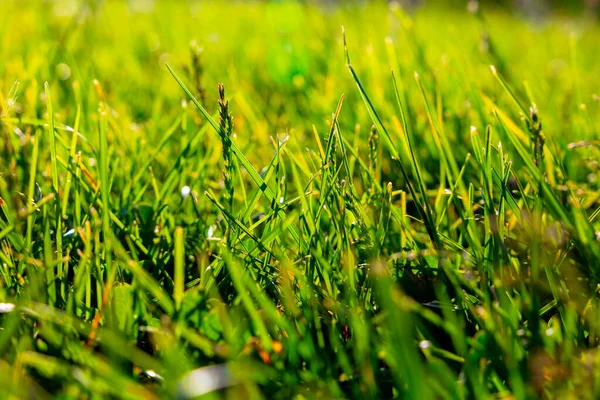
(525, 7)
(529, 7)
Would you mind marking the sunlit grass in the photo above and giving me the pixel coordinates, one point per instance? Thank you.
(242, 200)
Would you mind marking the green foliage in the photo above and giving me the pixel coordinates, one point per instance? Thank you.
(329, 229)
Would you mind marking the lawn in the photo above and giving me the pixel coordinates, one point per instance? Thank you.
(298, 200)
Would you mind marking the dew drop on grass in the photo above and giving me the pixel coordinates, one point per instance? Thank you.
(69, 233)
(205, 380)
(211, 232)
(63, 71)
(6, 307)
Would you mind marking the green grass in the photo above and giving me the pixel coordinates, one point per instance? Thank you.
(250, 201)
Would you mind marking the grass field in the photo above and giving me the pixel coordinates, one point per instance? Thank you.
(407, 209)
